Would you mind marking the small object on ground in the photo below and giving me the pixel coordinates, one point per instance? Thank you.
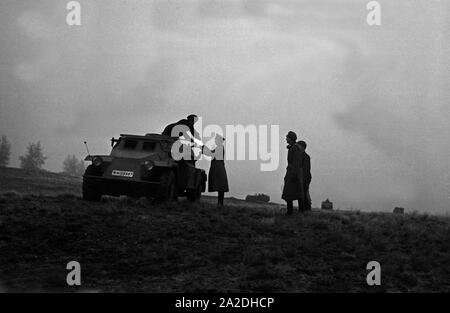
(259, 197)
(398, 210)
(327, 205)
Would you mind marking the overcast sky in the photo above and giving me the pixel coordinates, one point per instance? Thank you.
(372, 102)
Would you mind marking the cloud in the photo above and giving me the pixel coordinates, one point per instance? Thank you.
(398, 104)
(358, 96)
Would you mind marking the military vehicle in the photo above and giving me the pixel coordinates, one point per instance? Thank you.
(142, 166)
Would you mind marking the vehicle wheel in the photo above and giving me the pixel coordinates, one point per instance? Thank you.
(167, 189)
(90, 188)
(194, 194)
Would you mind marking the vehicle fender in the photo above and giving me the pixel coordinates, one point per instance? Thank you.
(166, 163)
(105, 158)
(200, 177)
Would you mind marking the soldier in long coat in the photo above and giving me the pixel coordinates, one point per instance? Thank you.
(307, 177)
(217, 176)
(293, 180)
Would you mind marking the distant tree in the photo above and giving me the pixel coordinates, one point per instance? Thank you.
(5, 151)
(34, 159)
(73, 166)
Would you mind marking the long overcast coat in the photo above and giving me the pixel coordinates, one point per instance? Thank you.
(293, 180)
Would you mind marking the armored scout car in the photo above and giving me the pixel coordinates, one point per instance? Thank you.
(142, 166)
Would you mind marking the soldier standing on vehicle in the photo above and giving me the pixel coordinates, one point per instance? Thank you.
(306, 175)
(217, 177)
(192, 135)
(293, 180)
(189, 122)
(179, 129)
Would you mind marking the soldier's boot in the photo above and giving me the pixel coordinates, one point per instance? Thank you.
(191, 178)
(290, 205)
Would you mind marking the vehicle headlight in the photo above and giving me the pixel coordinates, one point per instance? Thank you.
(97, 161)
(148, 165)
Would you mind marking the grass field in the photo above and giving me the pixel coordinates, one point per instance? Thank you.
(127, 244)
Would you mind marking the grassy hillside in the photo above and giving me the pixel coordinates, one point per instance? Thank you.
(133, 245)
(40, 182)
(52, 184)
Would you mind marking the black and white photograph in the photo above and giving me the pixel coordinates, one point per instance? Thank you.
(207, 148)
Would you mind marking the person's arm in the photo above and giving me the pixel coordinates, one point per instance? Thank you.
(207, 151)
(308, 169)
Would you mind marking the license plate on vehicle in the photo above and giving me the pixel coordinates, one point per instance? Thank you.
(122, 173)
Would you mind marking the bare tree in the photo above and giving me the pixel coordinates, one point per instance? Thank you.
(34, 159)
(5, 151)
(73, 166)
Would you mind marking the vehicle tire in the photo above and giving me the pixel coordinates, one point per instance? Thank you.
(90, 188)
(194, 194)
(167, 189)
